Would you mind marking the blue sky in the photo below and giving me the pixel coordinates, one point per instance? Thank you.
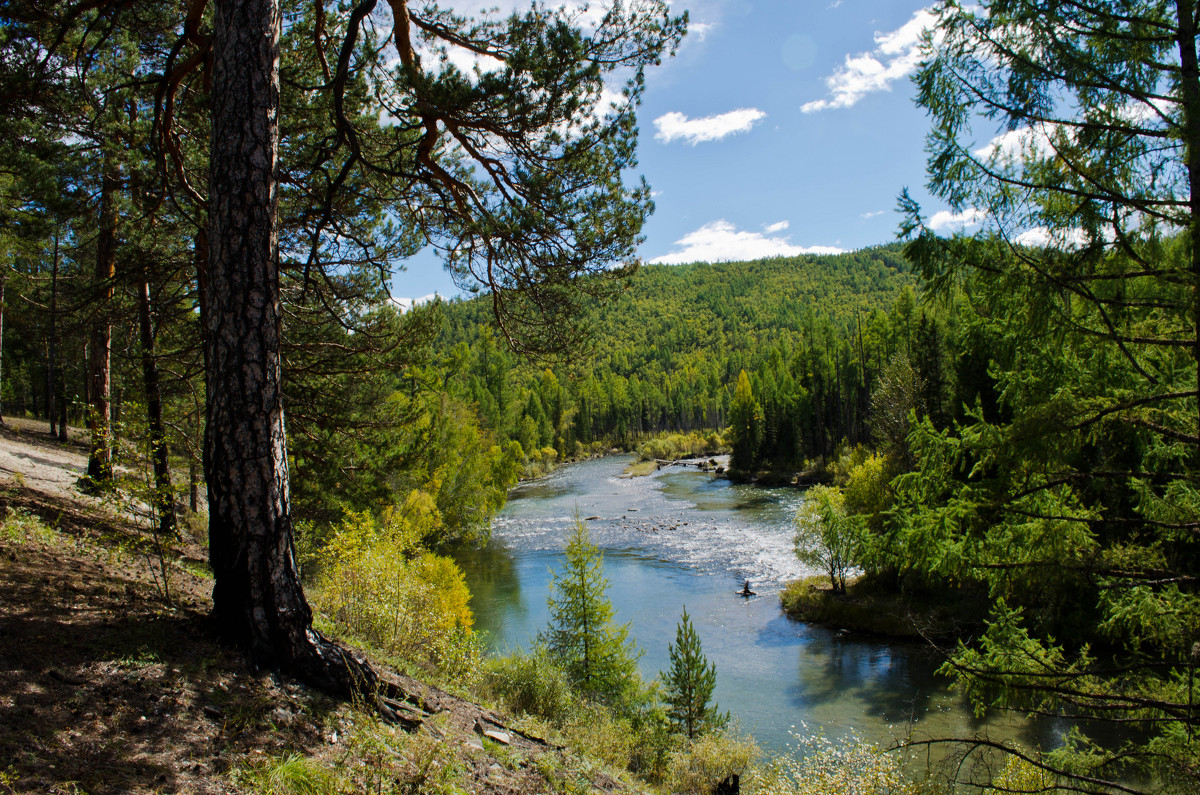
(781, 127)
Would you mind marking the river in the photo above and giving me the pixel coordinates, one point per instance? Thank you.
(683, 538)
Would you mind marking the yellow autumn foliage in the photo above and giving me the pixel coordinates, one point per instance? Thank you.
(376, 583)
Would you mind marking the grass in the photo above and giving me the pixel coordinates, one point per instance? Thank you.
(641, 468)
(22, 527)
(289, 774)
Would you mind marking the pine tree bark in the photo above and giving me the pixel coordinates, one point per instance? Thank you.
(258, 603)
(99, 468)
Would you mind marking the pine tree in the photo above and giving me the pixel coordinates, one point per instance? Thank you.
(690, 682)
(596, 653)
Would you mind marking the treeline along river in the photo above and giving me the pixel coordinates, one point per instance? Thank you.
(682, 537)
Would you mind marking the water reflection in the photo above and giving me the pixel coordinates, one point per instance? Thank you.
(683, 538)
(495, 583)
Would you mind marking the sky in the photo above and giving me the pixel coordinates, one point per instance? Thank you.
(781, 127)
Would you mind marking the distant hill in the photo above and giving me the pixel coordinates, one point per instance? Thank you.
(666, 353)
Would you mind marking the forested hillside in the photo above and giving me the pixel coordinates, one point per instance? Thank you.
(812, 332)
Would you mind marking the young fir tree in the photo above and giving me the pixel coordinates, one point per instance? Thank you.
(595, 652)
(690, 681)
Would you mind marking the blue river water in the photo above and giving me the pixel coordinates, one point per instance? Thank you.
(684, 538)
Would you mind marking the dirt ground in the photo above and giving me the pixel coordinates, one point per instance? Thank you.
(111, 681)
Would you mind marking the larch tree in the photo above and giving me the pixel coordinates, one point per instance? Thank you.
(746, 425)
(1075, 502)
(595, 651)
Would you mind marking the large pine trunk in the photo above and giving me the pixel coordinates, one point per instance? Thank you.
(258, 602)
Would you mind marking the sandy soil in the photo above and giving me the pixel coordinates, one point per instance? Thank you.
(29, 455)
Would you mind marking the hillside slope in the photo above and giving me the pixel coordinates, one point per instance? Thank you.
(111, 684)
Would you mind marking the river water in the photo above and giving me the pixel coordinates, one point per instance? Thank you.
(683, 538)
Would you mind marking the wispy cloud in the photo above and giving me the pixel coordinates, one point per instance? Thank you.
(895, 56)
(945, 220)
(771, 229)
(873, 214)
(721, 241)
(700, 30)
(675, 126)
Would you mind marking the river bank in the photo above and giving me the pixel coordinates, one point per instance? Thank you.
(680, 537)
(872, 607)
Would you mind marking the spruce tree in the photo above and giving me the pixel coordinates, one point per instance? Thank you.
(592, 648)
(690, 681)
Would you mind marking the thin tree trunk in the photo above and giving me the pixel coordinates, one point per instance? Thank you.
(100, 359)
(62, 404)
(1, 348)
(164, 500)
(51, 341)
(201, 255)
(258, 602)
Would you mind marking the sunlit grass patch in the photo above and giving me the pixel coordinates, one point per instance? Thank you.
(290, 774)
(22, 527)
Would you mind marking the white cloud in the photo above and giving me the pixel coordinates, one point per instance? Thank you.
(721, 241)
(873, 214)
(1008, 146)
(673, 126)
(406, 304)
(895, 56)
(771, 229)
(468, 60)
(1040, 237)
(947, 221)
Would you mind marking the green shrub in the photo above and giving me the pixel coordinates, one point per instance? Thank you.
(699, 765)
(529, 682)
(593, 729)
(821, 766)
(826, 538)
(1020, 775)
(674, 446)
(376, 584)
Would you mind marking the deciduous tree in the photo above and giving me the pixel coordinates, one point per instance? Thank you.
(595, 651)
(1075, 501)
